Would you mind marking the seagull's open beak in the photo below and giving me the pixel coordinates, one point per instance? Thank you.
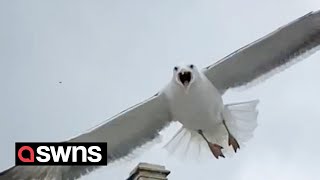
(185, 78)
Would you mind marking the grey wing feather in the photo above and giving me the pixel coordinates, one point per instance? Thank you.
(124, 133)
(259, 58)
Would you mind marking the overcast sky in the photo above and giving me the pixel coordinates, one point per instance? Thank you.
(112, 54)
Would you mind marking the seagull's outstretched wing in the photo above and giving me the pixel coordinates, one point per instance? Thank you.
(124, 133)
(260, 58)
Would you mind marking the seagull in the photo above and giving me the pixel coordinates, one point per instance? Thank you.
(197, 104)
(193, 98)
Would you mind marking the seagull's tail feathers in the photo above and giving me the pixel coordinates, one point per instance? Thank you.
(188, 144)
(185, 143)
(241, 119)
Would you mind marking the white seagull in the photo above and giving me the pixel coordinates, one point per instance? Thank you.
(193, 98)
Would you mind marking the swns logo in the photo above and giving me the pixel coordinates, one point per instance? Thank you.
(61, 153)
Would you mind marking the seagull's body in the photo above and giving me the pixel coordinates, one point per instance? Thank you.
(197, 104)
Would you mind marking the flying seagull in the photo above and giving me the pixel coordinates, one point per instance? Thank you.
(193, 97)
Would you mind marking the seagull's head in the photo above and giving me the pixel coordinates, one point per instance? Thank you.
(185, 75)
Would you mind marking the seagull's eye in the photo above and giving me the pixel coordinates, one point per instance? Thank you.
(191, 66)
(175, 68)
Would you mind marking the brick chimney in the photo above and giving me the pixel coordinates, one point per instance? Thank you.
(146, 171)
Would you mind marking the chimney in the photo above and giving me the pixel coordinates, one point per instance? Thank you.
(146, 171)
